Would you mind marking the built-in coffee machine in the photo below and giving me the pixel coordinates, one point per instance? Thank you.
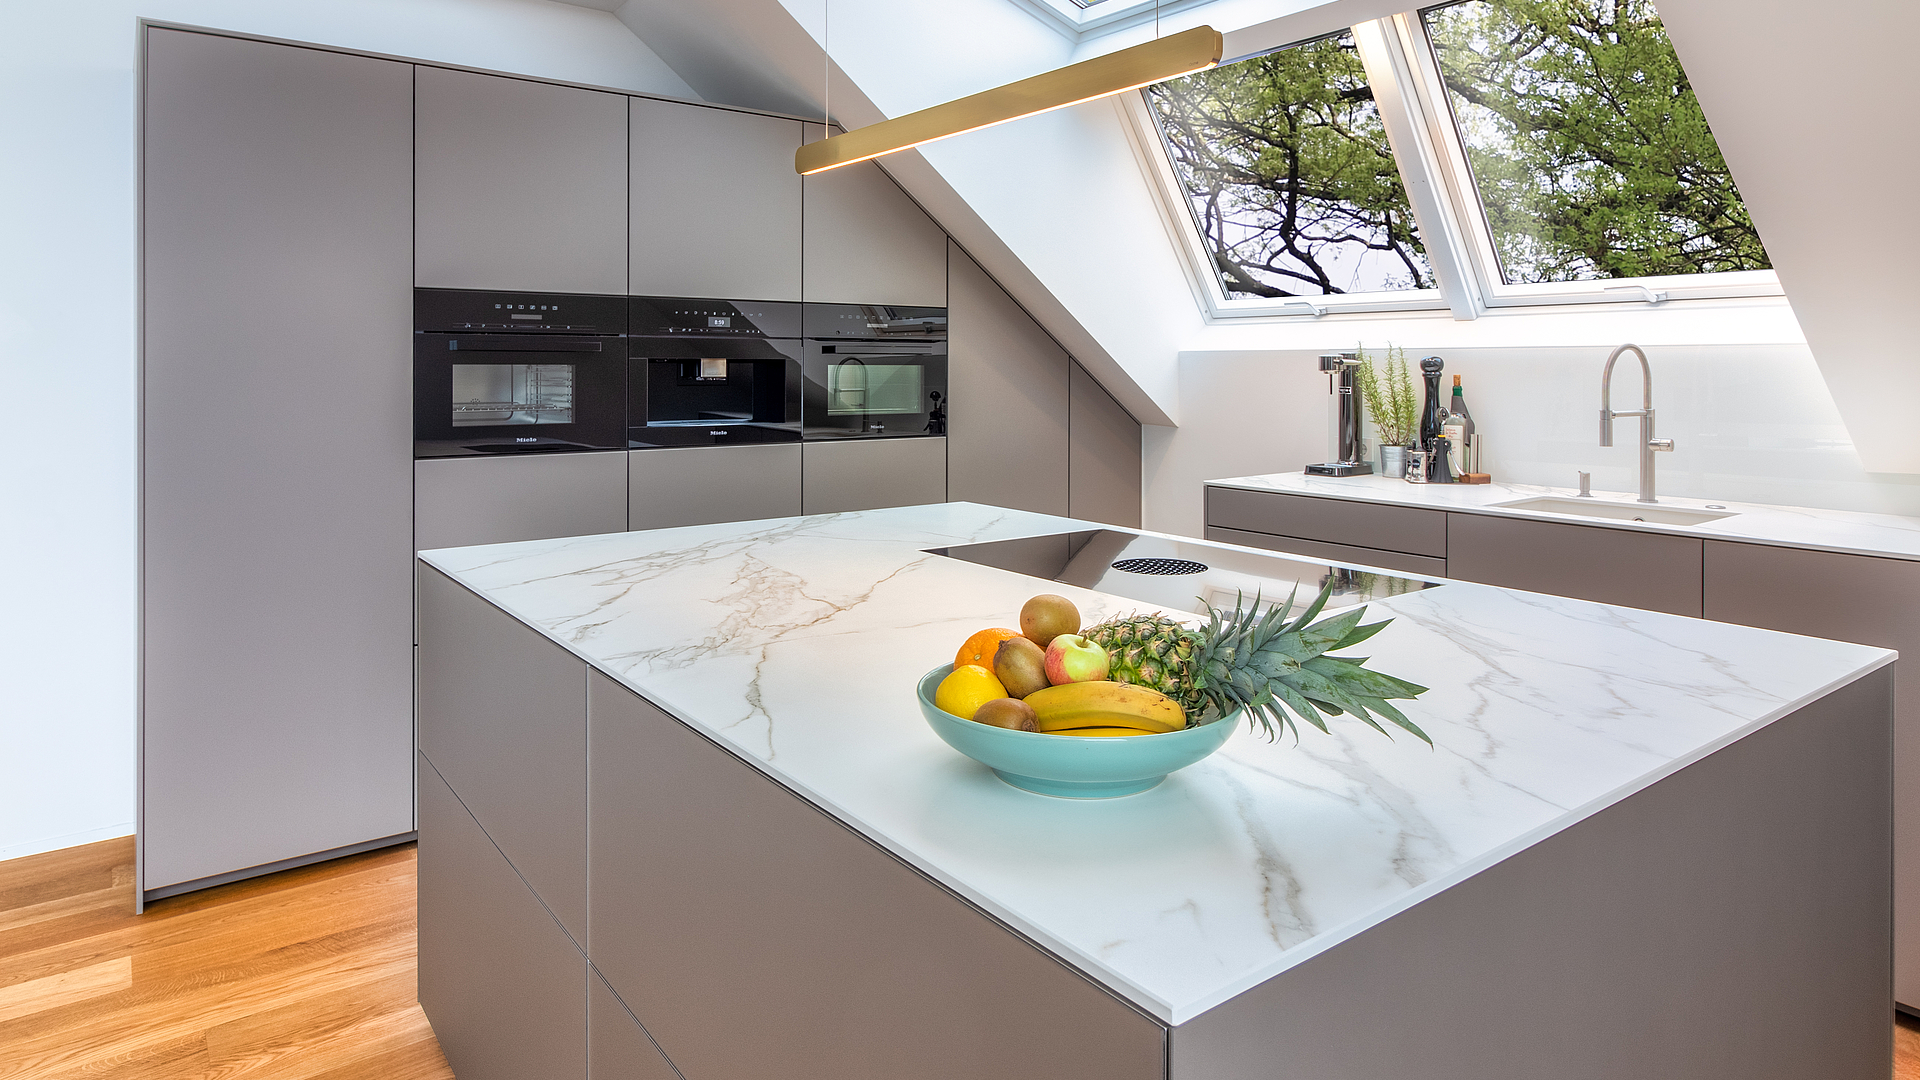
(712, 372)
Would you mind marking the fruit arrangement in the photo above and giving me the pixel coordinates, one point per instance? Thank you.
(1146, 674)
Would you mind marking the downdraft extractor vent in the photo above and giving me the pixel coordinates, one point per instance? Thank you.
(1164, 567)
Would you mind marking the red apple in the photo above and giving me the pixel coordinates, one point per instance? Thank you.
(1072, 658)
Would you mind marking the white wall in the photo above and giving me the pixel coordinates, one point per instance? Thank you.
(68, 318)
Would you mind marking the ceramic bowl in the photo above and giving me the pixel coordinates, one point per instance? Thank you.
(1072, 766)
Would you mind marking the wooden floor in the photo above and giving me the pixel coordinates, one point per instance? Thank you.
(304, 975)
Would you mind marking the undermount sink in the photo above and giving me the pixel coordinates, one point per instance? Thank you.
(1655, 515)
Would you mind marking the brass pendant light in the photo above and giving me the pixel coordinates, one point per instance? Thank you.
(1103, 76)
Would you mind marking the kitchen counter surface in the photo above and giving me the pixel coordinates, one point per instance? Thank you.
(1845, 531)
(795, 643)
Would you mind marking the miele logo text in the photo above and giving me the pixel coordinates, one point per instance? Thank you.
(525, 440)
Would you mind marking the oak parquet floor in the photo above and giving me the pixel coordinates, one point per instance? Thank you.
(303, 975)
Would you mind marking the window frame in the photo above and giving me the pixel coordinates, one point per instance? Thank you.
(1417, 113)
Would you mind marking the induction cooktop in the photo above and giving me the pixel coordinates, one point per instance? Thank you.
(1173, 575)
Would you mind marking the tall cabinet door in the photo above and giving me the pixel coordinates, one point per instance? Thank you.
(1007, 427)
(521, 185)
(867, 242)
(276, 521)
(1104, 474)
(715, 203)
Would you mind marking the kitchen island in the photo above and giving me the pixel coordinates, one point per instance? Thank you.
(677, 806)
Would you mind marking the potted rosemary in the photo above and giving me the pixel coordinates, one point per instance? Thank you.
(1386, 391)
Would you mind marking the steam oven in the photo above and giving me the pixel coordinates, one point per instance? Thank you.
(875, 372)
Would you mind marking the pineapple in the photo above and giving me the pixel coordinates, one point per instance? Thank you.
(1259, 663)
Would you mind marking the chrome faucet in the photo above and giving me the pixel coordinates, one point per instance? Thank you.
(1648, 444)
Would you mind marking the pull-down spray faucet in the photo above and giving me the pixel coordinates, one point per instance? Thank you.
(1648, 444)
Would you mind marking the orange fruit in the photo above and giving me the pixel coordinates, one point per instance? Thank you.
(969, 687)
(980, 648)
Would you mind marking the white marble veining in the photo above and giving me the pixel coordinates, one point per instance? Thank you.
(797, 642)
(1848, 532)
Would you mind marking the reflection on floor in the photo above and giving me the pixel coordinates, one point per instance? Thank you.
(304, 975)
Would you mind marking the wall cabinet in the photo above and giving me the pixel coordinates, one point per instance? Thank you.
(1855, 598)
(867, 474)
(519, 185)
(617, 1046)
(699, 485)
(276, 613)
(867, 242)
(498, 499)
(1011, 400)
(715, 208)
(1612, 566)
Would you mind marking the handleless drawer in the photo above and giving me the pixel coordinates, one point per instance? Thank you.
(1331, 521)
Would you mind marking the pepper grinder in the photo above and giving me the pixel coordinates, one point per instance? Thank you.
(1432, 419)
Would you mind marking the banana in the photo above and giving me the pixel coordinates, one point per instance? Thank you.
(1103, 731)
(1105, 704)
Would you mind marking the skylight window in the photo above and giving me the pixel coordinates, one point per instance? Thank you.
(1588, 149)
(1286, 166)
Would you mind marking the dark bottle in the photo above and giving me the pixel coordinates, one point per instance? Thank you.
(1434, 416)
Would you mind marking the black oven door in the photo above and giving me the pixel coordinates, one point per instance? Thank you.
(875, 389)
(502, 394)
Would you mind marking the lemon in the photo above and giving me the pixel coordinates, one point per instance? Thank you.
(969, 687)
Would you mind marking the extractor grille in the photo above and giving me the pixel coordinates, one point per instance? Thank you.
(1165, 567)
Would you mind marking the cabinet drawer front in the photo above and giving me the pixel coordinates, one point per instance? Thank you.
(1610, 566)
(699, 485)
(1332, 521)
(1341, 553)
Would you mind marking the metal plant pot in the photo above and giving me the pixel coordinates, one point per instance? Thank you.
(1393, 462)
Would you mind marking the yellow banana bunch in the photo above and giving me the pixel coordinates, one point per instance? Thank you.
(1083, 705)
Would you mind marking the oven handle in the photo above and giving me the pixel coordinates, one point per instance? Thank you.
(521, 345)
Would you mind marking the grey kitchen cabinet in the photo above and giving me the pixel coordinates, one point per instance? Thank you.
(1342, 522)
(519, 185)
(618, 1048)
(1011, 400)
(715, 203)
(1858, 598)
(866, 242)
(501, 498)
(503, 987)
(1341, 553)
(1612, 566)
(502, 719)
(716, 893)
(866, 474)
(1103, 472)
(276, 499)
(698, 485)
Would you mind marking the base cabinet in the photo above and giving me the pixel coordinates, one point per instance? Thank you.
(867, 474)
(497, 500)
(502, 985)
(703, 484)
(1609, 566)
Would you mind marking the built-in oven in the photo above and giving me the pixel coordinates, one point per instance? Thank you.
(516, 373)
(712, 372)
(875, 372)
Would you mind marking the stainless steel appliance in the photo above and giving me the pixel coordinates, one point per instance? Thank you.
(509, 372)
(1350, 457)
(712, 372)
(875, 372)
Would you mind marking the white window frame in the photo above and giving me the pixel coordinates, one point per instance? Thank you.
(1080, 23)
(1412, 99)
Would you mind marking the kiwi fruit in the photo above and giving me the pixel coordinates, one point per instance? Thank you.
(1006, 712)
(1047, 616)
(1021, 666)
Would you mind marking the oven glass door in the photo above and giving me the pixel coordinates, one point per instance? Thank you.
(482, 394)
(875, 390)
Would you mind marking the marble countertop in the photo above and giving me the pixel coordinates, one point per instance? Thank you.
(1845, 531)
(797, 642)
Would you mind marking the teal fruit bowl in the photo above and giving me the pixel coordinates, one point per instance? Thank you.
(1072, 766)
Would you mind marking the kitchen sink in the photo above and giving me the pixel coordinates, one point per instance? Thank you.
(1632, 511)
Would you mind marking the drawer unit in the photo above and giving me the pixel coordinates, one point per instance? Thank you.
(1611, 566)
(1330, 521)
(1340, 553)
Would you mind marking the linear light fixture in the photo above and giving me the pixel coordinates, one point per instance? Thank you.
(1103, 76)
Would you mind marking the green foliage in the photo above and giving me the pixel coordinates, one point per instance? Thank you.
(1287, 166)
(1387, 394)
(1591, 153)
